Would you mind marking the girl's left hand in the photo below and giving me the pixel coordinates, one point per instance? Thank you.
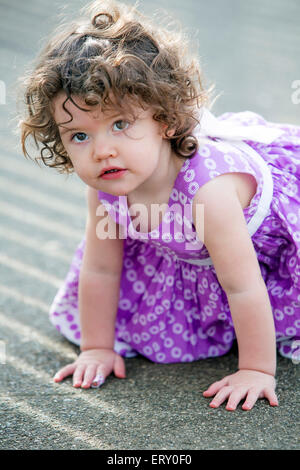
(247, 383)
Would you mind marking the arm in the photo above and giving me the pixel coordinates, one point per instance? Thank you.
(99, 283)
(99, 286)
(254, 327)
(229, 244)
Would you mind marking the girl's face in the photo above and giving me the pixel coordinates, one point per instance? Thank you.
(96, 141)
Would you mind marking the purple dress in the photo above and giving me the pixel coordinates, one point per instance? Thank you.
(171, 305)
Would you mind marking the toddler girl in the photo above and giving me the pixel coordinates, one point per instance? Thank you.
(193, 227)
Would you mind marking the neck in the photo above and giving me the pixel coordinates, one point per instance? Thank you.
(161, 181)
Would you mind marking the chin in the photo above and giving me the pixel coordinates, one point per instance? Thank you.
(111, 190)
(118, 193)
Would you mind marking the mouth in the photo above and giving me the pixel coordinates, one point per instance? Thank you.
(111, 173)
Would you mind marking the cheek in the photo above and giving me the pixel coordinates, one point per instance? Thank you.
(79, 169)
(149, 165)
(77, 158)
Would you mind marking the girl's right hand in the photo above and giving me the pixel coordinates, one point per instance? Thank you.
(92, 367)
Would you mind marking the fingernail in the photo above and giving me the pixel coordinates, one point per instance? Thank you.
(98, 381)
(213, 405)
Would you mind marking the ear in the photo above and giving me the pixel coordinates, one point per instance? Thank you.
(170, 132)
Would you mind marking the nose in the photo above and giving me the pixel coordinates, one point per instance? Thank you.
(104, 148)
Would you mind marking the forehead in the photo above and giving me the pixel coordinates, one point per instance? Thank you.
(63, 107)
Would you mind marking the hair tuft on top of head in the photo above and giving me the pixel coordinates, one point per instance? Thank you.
(102, 20)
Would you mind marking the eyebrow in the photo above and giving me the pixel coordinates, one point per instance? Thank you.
(67, 129)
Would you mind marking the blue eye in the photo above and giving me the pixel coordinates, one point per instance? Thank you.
(79, 137)
(120, 125)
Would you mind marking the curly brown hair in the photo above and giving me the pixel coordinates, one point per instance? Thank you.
(113, 56)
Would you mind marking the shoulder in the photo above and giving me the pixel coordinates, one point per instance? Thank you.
(220, 200)
(242, 186)
(98, 216)
(95, 206)
(104, 246)
(96, 210)
(225, 232)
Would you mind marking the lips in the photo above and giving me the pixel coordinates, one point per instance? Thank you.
(111, 169)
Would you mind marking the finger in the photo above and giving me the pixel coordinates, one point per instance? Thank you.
(220, 397)
(89, 375)
(99, 378)
(119, 367)
(78, 375)
(251, 399)
(215, 387)
(270, 395)
(235, 397)
(64, 372)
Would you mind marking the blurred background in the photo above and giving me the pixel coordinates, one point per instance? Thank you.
(250, 51)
